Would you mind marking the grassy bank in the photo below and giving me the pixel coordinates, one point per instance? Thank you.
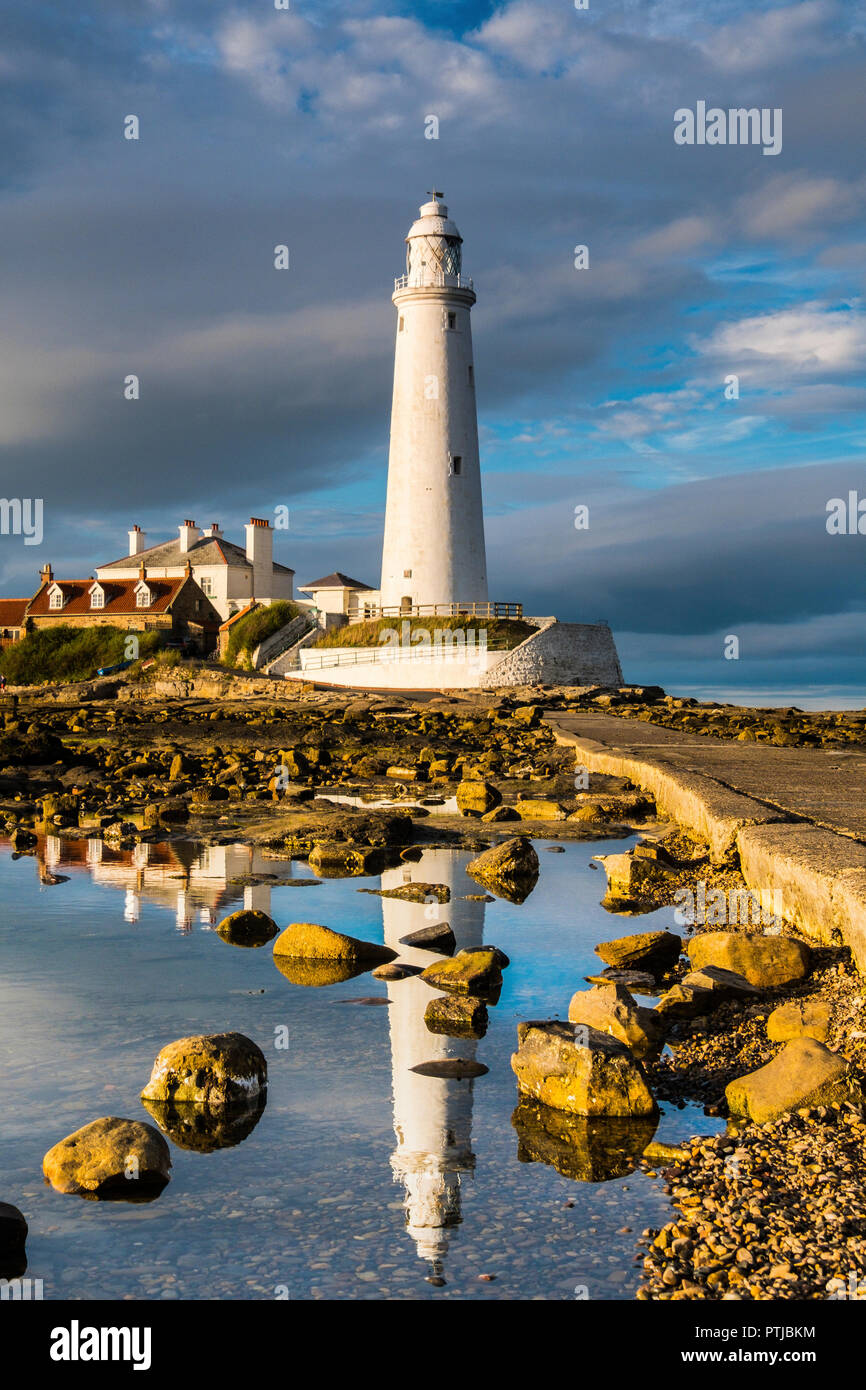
(249, 632)
(502, 633)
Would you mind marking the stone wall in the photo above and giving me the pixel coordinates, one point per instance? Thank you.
(560, 654)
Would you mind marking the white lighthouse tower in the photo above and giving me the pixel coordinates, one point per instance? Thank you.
(433, 551)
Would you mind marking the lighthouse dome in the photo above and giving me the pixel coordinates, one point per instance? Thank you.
(433, 254)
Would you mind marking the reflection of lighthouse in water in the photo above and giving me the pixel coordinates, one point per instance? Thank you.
(432, 1115)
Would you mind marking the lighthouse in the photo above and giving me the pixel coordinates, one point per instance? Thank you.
(433, 551)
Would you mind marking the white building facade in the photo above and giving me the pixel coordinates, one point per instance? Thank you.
(230, 575)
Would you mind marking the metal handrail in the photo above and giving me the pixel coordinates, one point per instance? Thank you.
(440, 610)
(361, 656)
(435, 280)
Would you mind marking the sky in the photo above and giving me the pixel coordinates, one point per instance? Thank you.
(607, 387)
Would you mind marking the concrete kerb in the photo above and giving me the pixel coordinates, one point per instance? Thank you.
(714, 812)
(821, 876)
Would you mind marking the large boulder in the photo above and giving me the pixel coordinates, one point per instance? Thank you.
(701, 991)
(475, 798)
(110, 1157)
(611, 1009)
(457, 1016)
(800, 1018)
(804, 1074)
(248, 927)
(766, 961)
(477, 971)
(579, 1069)
(309, 941)
(336, 859)
(213, 1069)
(655, 951)
(510, 869)
(580, 1148)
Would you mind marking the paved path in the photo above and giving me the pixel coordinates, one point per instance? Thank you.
(796, 818)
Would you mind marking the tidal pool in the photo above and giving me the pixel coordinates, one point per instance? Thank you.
(362, 1179)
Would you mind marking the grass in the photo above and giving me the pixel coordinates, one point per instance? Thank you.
(66, 653)
(502, 633)
(249, 632)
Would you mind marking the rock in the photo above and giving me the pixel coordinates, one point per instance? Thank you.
(500, 813)
(510, 869)
(800, 1018)
(395, 970)
(309, 941)
(23, 840)
(469, 972)
(654, 951)
(414, 892)
(629, 806)
(663, 1154)
(476, 798)
(804, 1074)
(208, 1069)
(767, 961)
(110, 1157)
(701, 991)
(439, 937)
(539, 808)
(596, 1076)
(611, 1009)
(249, 927)
(452, 1069)
(336, 859)
(457, 1016)
(13, 1235)
(581, 1148)
(205, 1128)
(634, 875)
(638, 981)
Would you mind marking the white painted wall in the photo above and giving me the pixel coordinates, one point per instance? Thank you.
(434, 524)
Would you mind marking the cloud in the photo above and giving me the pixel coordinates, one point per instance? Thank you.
(813, 338)
(791, 203)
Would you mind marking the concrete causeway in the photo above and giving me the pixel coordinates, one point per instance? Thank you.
(795, 817)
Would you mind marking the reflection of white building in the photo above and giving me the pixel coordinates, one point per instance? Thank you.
(432, 1116)
(201, 883)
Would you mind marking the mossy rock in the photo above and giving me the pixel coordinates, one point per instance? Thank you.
(248, 927)
(310, 941)
(110, 1158)
(208, 1069)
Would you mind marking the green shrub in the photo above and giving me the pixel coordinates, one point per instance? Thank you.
(253, 629)
(66, 653)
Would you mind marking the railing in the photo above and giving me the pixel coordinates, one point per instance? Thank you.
(433, 280)
(363, 656)
(369, 612)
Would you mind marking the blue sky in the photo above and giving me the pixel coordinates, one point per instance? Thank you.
(604, 387)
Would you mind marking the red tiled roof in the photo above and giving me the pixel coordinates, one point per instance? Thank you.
(241, 613)
(12, 611)
(119, 596)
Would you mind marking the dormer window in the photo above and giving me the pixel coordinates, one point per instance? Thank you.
(97, 597)
(143, 596)
(55, 597)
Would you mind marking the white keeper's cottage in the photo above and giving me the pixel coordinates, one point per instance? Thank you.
(230, 575)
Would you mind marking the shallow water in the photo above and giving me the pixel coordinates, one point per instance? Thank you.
(362, 1178)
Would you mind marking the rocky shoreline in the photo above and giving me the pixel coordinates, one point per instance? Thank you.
(353, 784)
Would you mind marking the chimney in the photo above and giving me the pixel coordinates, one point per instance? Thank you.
(142, 572)
(46, 574)
(188, 535)
(136, 541)
(213, 530)
(260, 553)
